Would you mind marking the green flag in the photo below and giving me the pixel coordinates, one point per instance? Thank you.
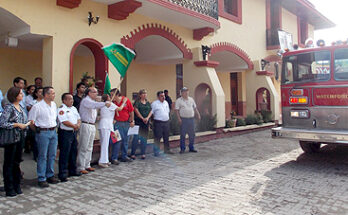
(107, 86)
(120, 56)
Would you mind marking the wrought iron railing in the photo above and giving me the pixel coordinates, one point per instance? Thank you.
(206, 7)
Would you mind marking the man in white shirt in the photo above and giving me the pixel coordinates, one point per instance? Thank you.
(160, 110)
(186, 108)
(69, 124)
(88, 114)
(44, 115)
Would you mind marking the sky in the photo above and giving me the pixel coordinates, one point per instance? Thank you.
(336, 11)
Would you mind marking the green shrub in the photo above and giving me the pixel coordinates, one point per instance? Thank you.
(267, 115)
(259, 118)
(251, 119)
(207, 123)
(231, 123)
(174, 124)
(240, 122)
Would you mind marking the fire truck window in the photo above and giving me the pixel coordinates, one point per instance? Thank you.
(341, 64)
(314, 66)
(288, 73)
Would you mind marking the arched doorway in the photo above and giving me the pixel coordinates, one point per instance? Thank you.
(86, 50)
(263, 99)
(233, 62)
(160, 54)
(203, 98)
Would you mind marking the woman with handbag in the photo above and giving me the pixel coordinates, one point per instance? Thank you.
(105, 128)
(13, 123)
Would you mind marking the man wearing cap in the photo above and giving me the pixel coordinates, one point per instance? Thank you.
(186, 108)
(69, 124)
(88, 114)
(160, 110)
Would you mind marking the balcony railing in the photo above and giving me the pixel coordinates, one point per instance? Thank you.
(206, 7)
(272, 37)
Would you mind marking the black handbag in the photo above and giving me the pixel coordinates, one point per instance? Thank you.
(9, 136)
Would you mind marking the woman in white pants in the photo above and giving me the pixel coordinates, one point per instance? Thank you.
(106, 125)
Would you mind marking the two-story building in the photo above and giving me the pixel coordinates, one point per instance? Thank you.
(55, 40)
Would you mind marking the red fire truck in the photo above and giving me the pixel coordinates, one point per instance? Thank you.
(314, 96)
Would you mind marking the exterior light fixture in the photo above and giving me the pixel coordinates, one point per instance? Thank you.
(92, 19)
(205, 52)
(264, 63)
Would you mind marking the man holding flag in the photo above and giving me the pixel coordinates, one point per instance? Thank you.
(121, 57)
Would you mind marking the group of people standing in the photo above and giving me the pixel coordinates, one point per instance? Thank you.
(72, 128)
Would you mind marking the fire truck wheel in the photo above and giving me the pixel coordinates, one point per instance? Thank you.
(310, 147)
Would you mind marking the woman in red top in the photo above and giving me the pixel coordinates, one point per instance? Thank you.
(124, 120)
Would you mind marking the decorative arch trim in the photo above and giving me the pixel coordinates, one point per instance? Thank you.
(226, 46)
(100, 60)
(156, 29)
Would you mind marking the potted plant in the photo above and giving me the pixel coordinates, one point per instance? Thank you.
(233, 118)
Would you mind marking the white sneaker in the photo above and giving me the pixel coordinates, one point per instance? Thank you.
(103, 165)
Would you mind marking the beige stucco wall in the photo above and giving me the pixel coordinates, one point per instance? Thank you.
(254, 83)
(68, 26)
(310, 31)
(194, 76)
(152, 78)
(16, 62)
(83, 64)
(289, 24)
(224, 78)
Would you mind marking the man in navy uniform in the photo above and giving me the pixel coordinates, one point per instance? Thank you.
(69, 124)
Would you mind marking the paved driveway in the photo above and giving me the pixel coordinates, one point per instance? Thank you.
(248, 174)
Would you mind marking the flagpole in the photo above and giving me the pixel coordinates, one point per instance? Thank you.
(118, 87)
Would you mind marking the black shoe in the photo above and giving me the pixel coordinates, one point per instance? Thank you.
(126, 159)
(43, 184)
(11, 193)
(193, 150)
(182, 151)
(63, 179)
(169, 152)
(115, 162)
(18, 190)
(52, 180)
(77, 174)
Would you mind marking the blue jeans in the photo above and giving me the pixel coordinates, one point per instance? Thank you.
(135, 143)
(47, 149)
(122, 127)
(187, 127)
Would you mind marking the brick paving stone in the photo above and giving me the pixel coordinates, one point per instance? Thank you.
(248, 174)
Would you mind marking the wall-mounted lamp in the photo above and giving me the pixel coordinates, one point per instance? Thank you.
(91, 19)
(264, 63)
(205, 51)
